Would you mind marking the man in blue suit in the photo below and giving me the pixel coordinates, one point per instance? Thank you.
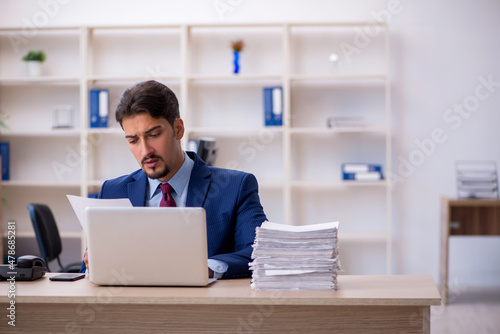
(149, 115)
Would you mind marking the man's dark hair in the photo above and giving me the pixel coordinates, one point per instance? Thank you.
(148, 97)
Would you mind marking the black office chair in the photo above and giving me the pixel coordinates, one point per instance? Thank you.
(47, 236)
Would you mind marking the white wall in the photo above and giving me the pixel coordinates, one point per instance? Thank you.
(440, 50)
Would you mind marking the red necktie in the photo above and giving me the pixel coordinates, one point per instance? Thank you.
(167, 199)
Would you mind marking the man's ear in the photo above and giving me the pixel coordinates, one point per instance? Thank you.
(179, 128)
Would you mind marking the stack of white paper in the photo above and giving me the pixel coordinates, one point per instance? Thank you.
(295, 257)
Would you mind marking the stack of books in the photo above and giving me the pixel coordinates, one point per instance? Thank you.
(295, 257)
(361, 172)
(477, 179)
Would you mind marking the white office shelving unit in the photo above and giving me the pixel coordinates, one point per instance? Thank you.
(297, 164)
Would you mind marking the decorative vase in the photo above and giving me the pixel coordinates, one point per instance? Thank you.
(34, 68)
(236, 62)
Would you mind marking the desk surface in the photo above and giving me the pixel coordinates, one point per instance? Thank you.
(352, 290)
(363, 304)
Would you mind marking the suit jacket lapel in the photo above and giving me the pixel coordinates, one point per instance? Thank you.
(199, 182)
(137, 190)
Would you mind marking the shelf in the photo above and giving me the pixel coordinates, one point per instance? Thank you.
(95, 183)
(232, 132)
(38, 183)
(6, 81)
(338, 24)
(263, 183)
(353, 129)
(475, 202)
(297, 164)
(330, 184)
(353, 77)
(234, 77)
(41, 29)
(106, 131)
(45, 134)
(363, 236)
(270, 184)
(123, 80)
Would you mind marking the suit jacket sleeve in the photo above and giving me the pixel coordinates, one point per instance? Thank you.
(247, 213)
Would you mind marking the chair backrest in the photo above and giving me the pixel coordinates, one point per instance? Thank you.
(47, 234)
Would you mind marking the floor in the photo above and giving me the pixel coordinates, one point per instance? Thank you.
(470, 310)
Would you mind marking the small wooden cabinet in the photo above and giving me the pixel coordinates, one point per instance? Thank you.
(465, 217)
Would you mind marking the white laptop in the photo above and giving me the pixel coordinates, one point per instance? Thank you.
(147, 246)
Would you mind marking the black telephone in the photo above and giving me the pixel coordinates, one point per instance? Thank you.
(27, 268)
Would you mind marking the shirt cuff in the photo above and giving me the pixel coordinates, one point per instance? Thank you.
(218, 267)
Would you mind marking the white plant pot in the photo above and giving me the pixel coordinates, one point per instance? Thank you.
(34, 68)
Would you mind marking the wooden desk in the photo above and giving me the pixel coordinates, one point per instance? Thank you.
(464, 217)
(363, 304)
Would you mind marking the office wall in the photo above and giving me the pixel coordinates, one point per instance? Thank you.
(442, 51)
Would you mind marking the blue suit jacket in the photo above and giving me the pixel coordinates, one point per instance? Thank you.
(231, 202)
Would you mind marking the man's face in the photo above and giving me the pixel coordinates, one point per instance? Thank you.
(155, 145)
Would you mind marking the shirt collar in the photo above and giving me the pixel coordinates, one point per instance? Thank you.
(178, 181)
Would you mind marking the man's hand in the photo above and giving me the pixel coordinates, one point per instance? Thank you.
(86, 260)
(210, 271)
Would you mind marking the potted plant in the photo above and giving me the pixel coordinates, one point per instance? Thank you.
(34, 59)
(237, 47)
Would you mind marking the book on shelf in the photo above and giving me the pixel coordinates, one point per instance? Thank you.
(5, 154)
(361, 168)
(362, 172)
(346, 121)
(288, 257)
(99, 108)
(367, 176)
(273, 106)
